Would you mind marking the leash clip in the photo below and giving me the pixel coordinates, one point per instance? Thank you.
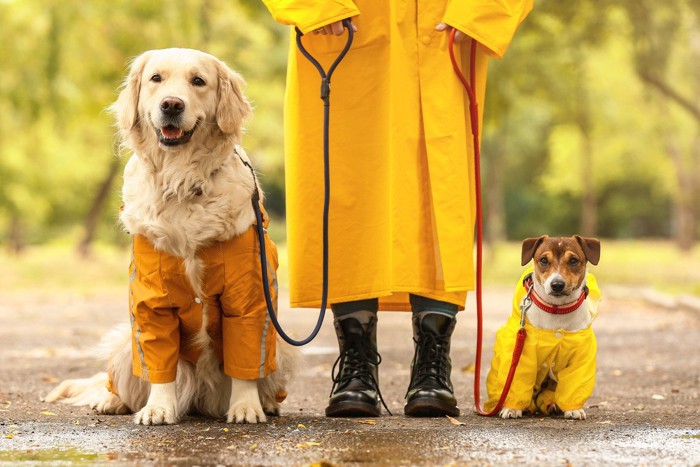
(525, 305)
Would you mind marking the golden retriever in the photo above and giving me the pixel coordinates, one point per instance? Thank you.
(186, 186)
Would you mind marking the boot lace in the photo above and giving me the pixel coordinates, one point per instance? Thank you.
(354, 363)
(431, 361)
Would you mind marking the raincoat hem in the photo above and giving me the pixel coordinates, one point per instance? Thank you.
(249, 374)
(155, 376)
(389, 305)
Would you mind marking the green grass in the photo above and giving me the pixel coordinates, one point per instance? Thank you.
(656, 264)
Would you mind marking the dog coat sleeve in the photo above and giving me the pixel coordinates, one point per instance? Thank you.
(249, 336)
(520, 394)
(577, 379)
(154, 323)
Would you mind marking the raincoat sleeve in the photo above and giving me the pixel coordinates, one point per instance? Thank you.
(491, 22)
(577, 380)
(520, 394)
(308, 15)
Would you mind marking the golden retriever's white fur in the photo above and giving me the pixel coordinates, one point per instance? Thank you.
(181, 112)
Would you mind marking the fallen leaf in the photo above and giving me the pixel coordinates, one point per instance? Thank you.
(367, 422)
(658, 397)
(254, 446)
(9, 436)
(469, 368)
(49, 379)
(454, 421)
(308, 444)
(301, 426)
(225, 430)
(46, 412)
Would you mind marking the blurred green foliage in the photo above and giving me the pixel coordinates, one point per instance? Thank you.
(592, 119)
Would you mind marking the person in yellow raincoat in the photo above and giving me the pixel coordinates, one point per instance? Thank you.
(402, 192)
(556, 368)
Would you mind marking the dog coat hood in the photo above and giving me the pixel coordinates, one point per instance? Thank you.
(568, 357)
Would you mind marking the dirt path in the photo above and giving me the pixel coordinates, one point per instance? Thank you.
(645, 409)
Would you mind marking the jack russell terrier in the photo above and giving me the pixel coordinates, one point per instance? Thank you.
(559, 297)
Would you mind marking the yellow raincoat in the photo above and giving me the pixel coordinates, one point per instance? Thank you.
(402, 191)
(570, 357)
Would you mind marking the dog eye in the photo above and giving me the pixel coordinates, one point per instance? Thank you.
(574, 262)
(156, 78)
(544, 261)
(197, 81)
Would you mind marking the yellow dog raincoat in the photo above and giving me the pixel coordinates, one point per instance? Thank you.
(569, 356)
(166, 315)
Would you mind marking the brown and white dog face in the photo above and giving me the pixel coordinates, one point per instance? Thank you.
(560, 264)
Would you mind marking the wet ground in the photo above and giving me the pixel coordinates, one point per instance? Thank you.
(645, 409)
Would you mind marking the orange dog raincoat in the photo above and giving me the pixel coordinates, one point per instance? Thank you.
(166, 315)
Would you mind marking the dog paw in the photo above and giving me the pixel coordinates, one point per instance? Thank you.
(510, 413)
(578, 414)
(272, 409)
(110, 404)
(244, 413)
(156, 415)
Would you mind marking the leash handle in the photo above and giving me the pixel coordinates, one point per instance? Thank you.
(470, 88)
(326, 76)
(325, 95)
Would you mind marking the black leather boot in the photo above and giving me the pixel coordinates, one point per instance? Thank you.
(430, 393)
(355, 391)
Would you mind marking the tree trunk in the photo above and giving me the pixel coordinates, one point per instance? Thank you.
(684, 208)
(16, 234)
(589, 202)
(98, 204)
(495, 205)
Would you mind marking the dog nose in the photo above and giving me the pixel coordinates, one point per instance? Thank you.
(172, 106)
(558, 285)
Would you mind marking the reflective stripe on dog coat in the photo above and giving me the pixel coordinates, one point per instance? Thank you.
(166, 316)
(570, 356)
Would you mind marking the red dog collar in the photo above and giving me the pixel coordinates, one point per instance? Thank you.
(553, 309)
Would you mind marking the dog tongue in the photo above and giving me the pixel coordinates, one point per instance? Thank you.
(171, 132)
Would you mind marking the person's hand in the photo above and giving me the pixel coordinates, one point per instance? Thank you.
(459, 35)
(336, 28)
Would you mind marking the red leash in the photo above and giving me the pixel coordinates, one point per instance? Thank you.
(470, 87)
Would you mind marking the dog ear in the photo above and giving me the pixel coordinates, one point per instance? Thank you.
(529, 247)
(126, 108)
(233, 107)
(590, 247)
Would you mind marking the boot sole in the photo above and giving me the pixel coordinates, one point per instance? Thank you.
(352, 409)
(428, 407)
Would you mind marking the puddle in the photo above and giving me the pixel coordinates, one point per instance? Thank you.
(53, 456)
